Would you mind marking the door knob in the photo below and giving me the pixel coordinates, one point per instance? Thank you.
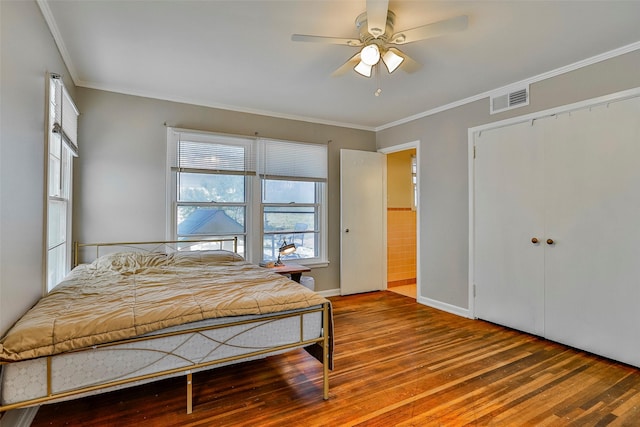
(534, 240)
(549, 241)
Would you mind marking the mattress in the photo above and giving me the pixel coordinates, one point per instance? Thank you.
(124, 295)
(222, 340)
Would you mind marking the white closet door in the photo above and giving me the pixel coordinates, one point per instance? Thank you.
(508, 267)
(592, 208)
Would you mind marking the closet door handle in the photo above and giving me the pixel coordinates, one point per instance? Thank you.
(534, 240)
(550, 242)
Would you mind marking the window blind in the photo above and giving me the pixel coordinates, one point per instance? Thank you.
(293, 160)
(213, 153)
(65, 119)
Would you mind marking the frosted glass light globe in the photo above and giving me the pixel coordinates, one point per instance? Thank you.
(370, 54)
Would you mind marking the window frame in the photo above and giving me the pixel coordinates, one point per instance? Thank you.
(254, 227)
(414, 182)
(242, 243)
(320, 210)
(61, 135)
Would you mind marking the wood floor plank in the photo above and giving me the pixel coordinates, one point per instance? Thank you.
(398, 363)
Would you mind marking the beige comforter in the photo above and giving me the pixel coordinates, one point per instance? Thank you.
(123, 295)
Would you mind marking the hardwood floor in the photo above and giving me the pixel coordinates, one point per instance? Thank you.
(398, 363)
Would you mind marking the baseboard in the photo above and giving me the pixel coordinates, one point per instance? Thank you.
(458, 311)
(453, 309)
(19, 417)
(329, 293)
(402, 282)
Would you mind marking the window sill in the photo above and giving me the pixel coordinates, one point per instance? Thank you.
(313, 264)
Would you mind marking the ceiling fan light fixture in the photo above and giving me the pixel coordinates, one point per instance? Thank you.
(370, 54)
(392, 60)
(363, 69)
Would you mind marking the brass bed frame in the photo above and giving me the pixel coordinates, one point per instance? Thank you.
(322, 341)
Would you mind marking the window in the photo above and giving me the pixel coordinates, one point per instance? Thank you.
(62, 146)
(265, 192)
(293, 177)
(210, 186)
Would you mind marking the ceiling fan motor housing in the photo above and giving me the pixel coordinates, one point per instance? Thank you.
(366, 37)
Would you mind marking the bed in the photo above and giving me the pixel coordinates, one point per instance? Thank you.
(156, 310)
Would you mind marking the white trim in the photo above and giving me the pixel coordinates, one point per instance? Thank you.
(253, 226)
(48, 16)
(394, 149)
(613, 97)
(433, 111)
(313, 264)
(329, 293)
(66, 58)
(459, 311)
(55, 32)
(400, 147)
(471, 219)
(209, 104)
(549, 74)
(169, 184)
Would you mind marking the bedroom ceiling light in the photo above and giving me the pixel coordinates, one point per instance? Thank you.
(392, 60)
(363, 69)
(377, 34)
(370, 56)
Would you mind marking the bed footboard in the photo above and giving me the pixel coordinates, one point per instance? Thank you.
(172, 352)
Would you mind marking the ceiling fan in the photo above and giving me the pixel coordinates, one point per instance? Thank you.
(377, 38)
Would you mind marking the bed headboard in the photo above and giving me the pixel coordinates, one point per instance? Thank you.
(85, 252)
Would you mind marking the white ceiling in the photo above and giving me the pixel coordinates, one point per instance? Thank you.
(239, 55)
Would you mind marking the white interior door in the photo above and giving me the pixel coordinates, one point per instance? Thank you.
(363, 254)
(593, 209)
(508, 214)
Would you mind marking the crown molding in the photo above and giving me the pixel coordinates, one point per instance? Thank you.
(540, 77)
(48, 16)
(57, 37)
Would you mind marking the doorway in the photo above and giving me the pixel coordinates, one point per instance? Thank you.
(402, 217)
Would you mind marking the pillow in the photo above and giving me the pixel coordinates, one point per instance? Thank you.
(129, 261)
(204, 257)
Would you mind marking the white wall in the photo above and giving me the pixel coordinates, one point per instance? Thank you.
(444, 239)
(27, 51)
(120, 175)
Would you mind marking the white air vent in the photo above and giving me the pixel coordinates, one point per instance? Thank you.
(511, 99)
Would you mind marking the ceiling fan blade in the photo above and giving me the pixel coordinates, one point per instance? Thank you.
(430, 30)
(347, 66)
(408, 65)
(377, 16)
(326, 40)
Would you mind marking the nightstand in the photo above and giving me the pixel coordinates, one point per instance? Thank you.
(295, 270)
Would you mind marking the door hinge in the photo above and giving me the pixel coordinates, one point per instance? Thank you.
(474, 151)
(474, 290)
